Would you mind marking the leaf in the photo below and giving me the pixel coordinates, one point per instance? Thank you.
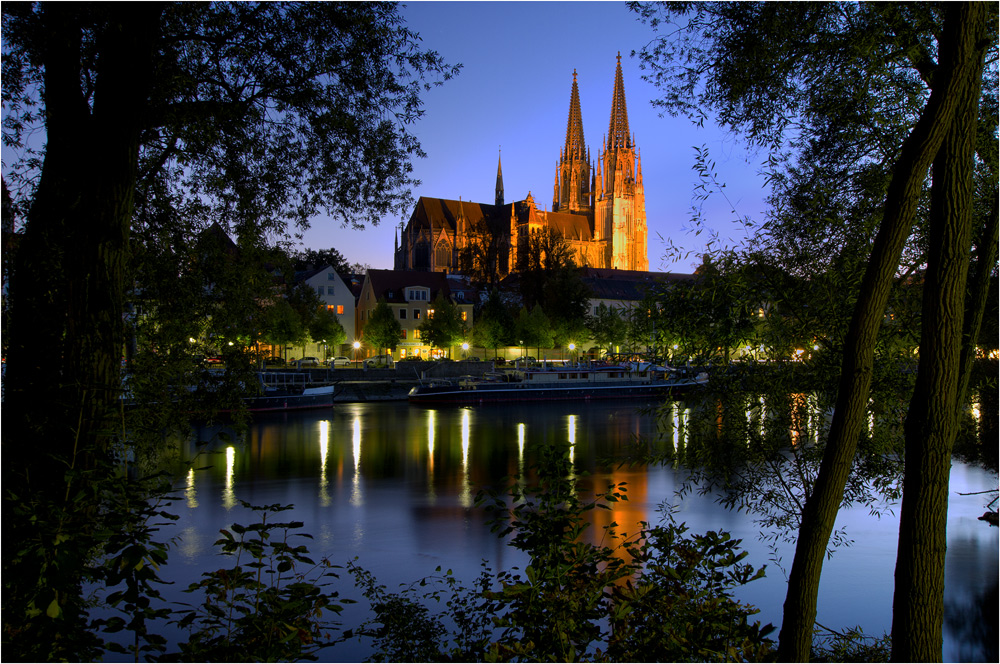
(53, 610)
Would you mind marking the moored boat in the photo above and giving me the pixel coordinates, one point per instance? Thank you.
(560, 384)
(289, 391)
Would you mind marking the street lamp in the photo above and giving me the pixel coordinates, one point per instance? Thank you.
(465, 349)
(572, 353)
(357, 345)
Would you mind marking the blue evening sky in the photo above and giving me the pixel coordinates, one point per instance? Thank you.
(513, 95)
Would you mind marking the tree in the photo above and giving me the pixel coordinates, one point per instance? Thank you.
(283, 325)
(770, 66)
(317, 258)
(307, 305)
(549, 278)
(493, 324)
(533, 328)
(443, 326)
(382, 330)
(160, 118)
(607, 327)
(325, 328)
(482, 255)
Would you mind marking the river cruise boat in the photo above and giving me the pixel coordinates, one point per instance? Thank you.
(559, 384)
(289, 391)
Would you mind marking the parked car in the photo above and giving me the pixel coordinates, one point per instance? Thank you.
(340, 361)
(274, 361)
(307, 361)
(526, 361)
(473, 358)
(379, 361)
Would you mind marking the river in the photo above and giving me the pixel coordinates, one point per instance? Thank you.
(394, 485)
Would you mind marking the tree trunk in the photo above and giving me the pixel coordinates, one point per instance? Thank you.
(67, 331)
(956, 68)
(932, 420)
(978, 295)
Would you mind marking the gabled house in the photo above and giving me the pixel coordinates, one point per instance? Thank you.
(337, 297)
(410, 296)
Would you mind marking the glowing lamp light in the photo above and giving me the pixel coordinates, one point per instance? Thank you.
(357, 345)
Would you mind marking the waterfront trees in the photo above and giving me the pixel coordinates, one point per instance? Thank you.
(607, 327)
(482, 255)
(493, 324)
(382, 330)
(160, 119)
(863, 96)
(443, 327)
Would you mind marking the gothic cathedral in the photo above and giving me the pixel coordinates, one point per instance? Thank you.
(600, 211)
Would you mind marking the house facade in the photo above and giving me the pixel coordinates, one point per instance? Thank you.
(410, 296)
(338, 299)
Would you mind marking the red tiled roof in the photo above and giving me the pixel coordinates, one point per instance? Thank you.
(392, 284)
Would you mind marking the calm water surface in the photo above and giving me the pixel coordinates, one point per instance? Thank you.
(394, 486)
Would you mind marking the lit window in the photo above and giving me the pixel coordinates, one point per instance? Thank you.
(416, 334)
(416, 314)
(465, 315)
(340, 309)
(402, 334)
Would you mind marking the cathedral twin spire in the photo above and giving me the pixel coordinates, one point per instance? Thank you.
(618, 136)
(575, 190)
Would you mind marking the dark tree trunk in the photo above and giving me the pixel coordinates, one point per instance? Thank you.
(67, 331)
(932, 420)
(956, 69)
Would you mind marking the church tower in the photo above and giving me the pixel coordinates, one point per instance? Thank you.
(620, 208)
(571, 192)
(499, 191)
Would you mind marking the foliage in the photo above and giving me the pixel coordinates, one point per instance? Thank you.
(199, 120)
(493, 323)
(326, 328)
(607, 327)
(660, 594)
(443, 326)
(483, 254)
(854, 103)
(548, 275)
(685, 590)
(533, 329)
(851, 645)
(130, 556)
(317, 258)
(382, 330)
(266, 607)
(284, 325)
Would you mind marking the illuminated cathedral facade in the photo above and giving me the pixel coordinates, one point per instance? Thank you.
(598, 208)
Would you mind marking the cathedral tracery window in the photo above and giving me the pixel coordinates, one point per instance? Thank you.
(442, 254)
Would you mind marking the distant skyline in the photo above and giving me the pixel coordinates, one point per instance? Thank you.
(511, 99)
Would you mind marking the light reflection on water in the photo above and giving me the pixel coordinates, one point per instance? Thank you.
(395, 485)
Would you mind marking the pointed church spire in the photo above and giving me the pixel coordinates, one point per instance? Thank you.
(618, 134)
(575, 147)
(499, 191)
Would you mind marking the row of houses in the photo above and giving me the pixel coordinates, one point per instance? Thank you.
(352, 298)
